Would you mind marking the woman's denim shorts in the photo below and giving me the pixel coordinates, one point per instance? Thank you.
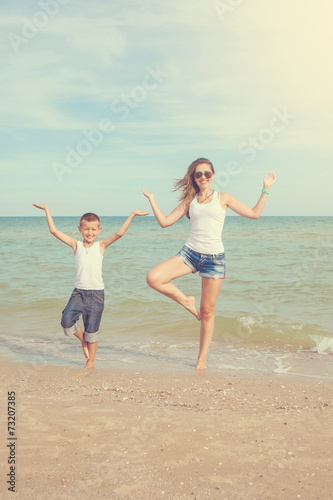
(208, 265)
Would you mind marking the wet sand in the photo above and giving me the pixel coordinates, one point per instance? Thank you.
(123, 435)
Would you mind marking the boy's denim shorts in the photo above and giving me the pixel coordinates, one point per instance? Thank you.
(208, 265)
(89, 303)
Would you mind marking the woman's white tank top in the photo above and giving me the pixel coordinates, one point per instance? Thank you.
(88, 262)
(207, 221)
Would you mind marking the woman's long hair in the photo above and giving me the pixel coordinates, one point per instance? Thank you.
(187, 186)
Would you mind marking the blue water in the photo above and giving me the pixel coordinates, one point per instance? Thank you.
(273, 314)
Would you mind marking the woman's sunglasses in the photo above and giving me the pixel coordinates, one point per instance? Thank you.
(206, 173)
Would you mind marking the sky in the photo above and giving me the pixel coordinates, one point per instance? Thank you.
(100, 98)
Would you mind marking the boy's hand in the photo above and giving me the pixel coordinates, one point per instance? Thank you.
(42, 207)
(71, 242)
(140, 212)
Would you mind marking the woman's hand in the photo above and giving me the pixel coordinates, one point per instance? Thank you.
(147, 195)
(269, 180)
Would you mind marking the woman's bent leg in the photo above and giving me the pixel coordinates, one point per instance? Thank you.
(209, 294)
(160, 279)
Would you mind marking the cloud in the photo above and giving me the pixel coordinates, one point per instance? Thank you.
(225, 78)
(66, 60)
(226, 74)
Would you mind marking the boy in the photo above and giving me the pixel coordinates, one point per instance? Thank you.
(88, 295)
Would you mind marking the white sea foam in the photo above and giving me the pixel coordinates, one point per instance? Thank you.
(281, 366)
(324, 345)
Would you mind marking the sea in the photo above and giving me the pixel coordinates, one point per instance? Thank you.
(273, 313)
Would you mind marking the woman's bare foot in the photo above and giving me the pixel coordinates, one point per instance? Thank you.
(201, 364)
(190, 306)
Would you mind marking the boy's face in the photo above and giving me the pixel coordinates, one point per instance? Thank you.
(89, 230)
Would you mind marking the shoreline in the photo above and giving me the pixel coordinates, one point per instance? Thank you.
(119, 433)
(302, 365)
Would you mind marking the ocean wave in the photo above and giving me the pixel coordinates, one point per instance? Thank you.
(250, 330)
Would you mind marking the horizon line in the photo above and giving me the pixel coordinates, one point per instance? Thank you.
(149, 216)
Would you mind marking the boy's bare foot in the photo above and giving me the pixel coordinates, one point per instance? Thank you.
(85, 349)
(89, 365)
(201, 364)
(92, 348)
(190, 306)
(80, 336)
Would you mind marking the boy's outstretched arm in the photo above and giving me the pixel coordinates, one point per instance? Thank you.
(53, 230)
(114, 237)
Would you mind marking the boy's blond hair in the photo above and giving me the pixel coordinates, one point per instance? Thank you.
(90, 217)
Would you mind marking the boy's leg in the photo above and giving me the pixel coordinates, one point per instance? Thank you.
(92, 348)
(80, 335)
(70, 317)
(92, 315)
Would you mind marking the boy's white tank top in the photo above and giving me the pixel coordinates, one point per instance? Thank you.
(88, 262)
(207, 221)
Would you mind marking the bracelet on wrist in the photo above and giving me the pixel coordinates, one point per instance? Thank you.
(265, 191)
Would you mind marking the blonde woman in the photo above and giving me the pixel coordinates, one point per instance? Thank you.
(203, 251)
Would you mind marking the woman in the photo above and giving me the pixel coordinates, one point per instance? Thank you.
(203, 251)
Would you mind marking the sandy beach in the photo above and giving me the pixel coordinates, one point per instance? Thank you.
(124, 435)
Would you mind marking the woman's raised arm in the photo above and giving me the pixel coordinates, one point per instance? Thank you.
(166, 220)
(229, 201)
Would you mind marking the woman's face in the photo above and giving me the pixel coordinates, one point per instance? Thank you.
(204, 180)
